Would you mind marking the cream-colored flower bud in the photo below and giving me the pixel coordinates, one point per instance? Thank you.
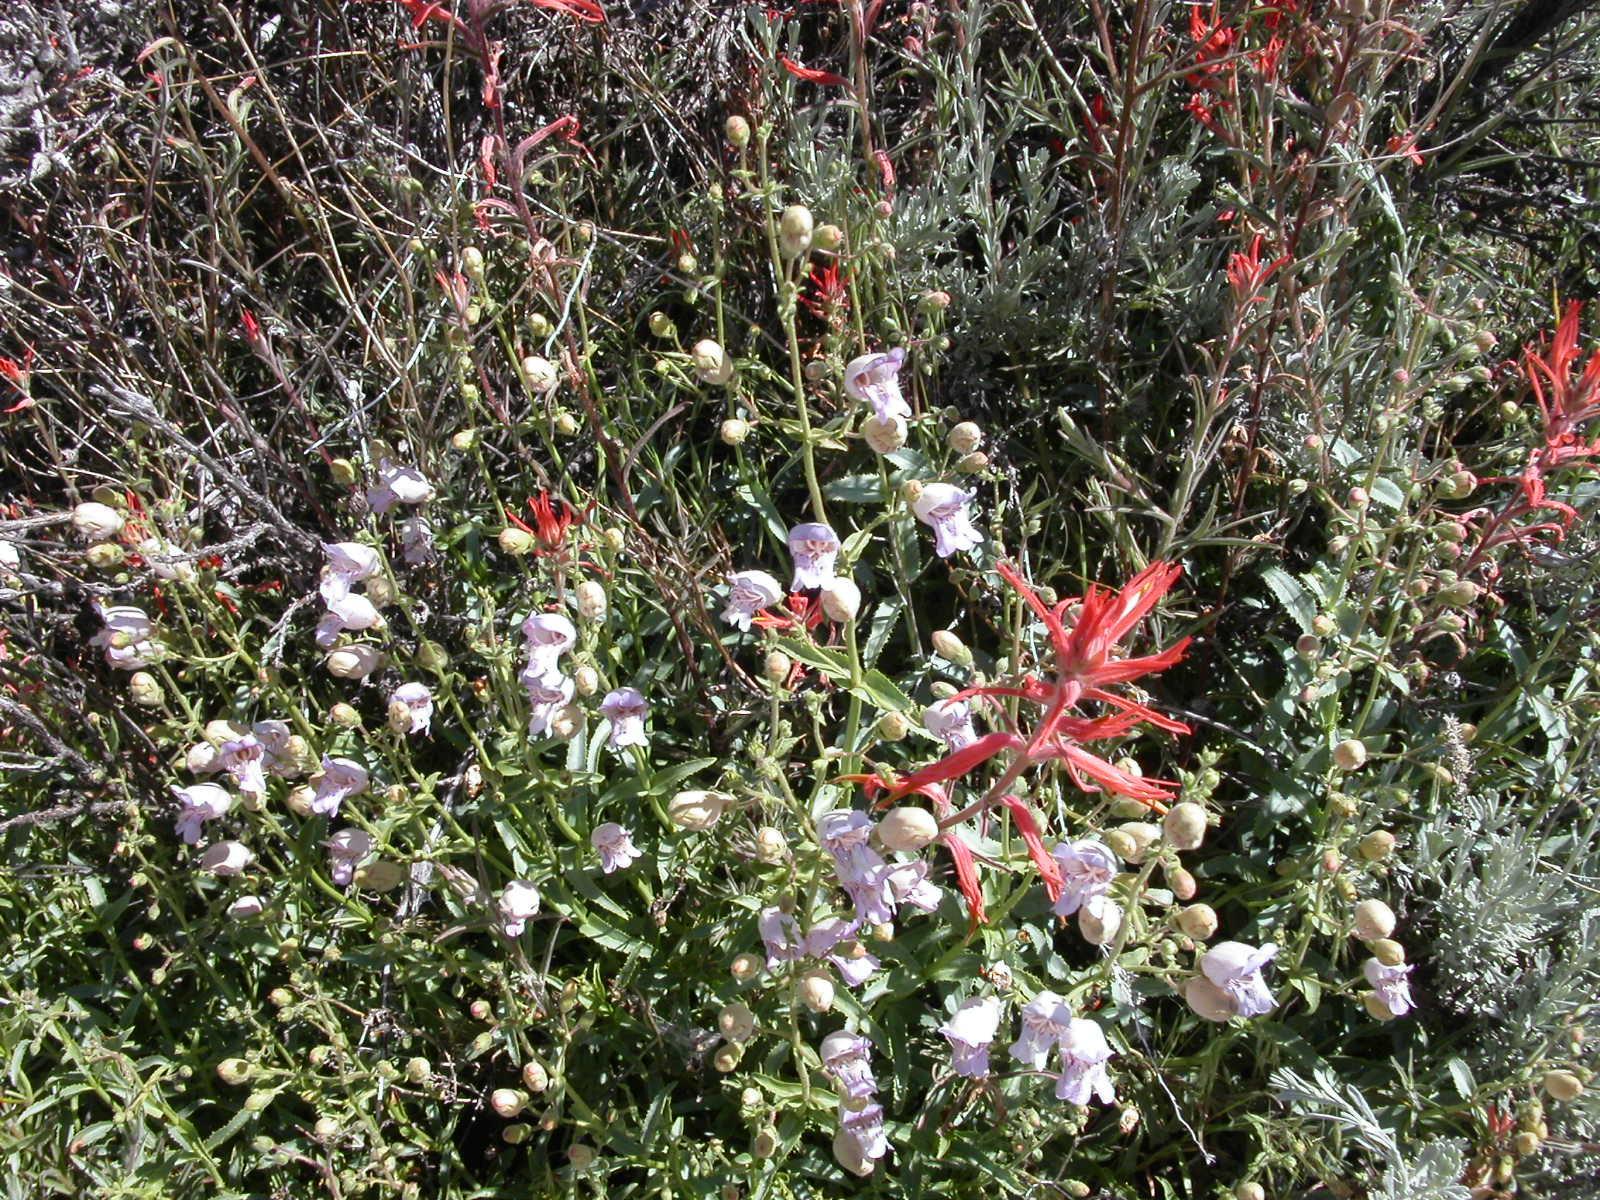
(661, 325)
(1199, 921)
(971, 464)
(1182, 883)
(816, 990)
(586, 680)
(541, 375)
(1099, 921)
(828, 237)
(234, 1071)
(566, 425)
(107, 556)
(380, 876)
(907, 829)
(1525, 1143)
(431, 656)
(534, 1077)
(727, 1057)
(419, 1070)
(737, 130)
(145, 690)
(592, 602)
(951, 648)
(911, 490)
(1207, 1000)
(217, 732)
(893, 726)
(1185, 825)
(1562, 1085)
(399, 716)
(734, 431)
(841, 599)
(1121, 844)
(463, 440)
(777, 666)
(1376, 1008)
(508, 1102)
(964, 438)
(884, 436)
(711, 362)
(472, 262)
(566, 722)
(1144, 836)
(745, 967)
(771, 845)
(96, 522)
(580, 1156)
(353, 662)
(795, 227)
(1376, 846)
(1387, 951)
(616, 539)
(697, 810)
(345, 716)
(936, 301)
(1349, 755)
(201, 759)
(1249, 1191)
(736, 1022)
(1373, 919)
(299, 801)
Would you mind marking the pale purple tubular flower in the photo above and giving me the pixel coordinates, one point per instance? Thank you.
(274, 738)
(416, 540)
(519, 903)
(844, 834)
(1236, 969)
(815, 548)
(225, 858)
(875, 379)
(970, 1030)
(340, 779)
(951, 722)
(854, 964)
(625, 709)
(1045, 1021)
(419, 704)
(909, 884)
(547, 636)
(864, 1127)
(201, 802)
(944, 507)
(1391, 985)
(329, 628)
(846, 1059)
(547, 695)
(351, 561)
(346, 849)
(748, 593)
(126, 637)
(245, 759)
(354, 612)
(1084, 1054)
(398, 485)
(1087, 870)
(780, 933)
(615, 846)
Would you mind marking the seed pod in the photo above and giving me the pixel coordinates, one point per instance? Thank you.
(1562, 1085)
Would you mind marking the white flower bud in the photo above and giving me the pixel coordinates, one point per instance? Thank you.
(201, 759)
(771, 845)
(1562, 1085)
(353, 662)
(711, 362)
(586, 680)
(816, 991)
(344, 716)
(736, 1022)
(1185, 825)
(145, 689)
(96, 522)
(841, 599)
(884, 435)
(745, 967)
(1349, 755)
(1376, 1008)
(1376, 846)
(541, 374)
(1373, 920)
(1199, 921)
(893, 726)
(233, 1071)
(907, 829)
(107, 556)
(951, 648)
(697, 810)
(1143, 835)
(794, 230)
(734, 431)
(1099, 921)
(591, 601)
(507, 1102)
(534, 1077)
(1387, 951)
(828, 237)
(737, 130)
(1249, 1191)
(565, 722)
(777, 666)
(964, 438)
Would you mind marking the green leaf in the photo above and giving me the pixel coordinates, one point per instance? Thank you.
(1294, 598)
(855, 489)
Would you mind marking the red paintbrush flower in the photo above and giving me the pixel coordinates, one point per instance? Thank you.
(829, 294)
(812, 74)
(550, 526)
(586, 12)
(1247, 274)
(1565, 402)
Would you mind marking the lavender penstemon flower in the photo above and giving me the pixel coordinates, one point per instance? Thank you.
(970, 1030)
(1391, 985)
(614, 844)
(951, 722)
(346, 849)
(945, 508)
(1087, 870)
(748, 593)
(875, 379)
(1045, 1021)
(519, 903)
(625, 708)
(1084, 1054)
(339, 779)
(815, 548)
(201, 802)
(413, 703)
(1235, 969)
